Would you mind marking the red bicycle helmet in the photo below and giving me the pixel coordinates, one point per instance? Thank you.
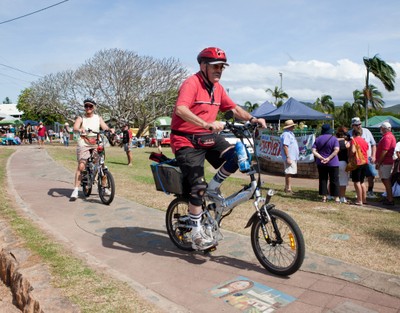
(212, 55)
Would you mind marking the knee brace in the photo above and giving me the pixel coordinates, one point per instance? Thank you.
(231, 163)
(197, 191)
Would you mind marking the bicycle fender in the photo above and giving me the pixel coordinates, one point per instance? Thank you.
(252, 219)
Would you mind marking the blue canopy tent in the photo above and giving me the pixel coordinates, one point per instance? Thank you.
(33, 123)
(296, 111)
(263, 109)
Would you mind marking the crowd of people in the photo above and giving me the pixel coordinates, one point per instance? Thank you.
(346, 154)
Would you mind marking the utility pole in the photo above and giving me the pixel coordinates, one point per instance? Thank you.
(280, 74)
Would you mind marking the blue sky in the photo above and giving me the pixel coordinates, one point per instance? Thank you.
(318, 46)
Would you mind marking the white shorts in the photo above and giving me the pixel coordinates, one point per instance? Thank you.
(290, 169)
(385, 170)
(83, 153)
(343, 175)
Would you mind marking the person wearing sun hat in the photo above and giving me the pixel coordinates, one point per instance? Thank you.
(65, 132)
(384, 159)
(289, 152)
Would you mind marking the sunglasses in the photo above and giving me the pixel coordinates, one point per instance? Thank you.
(88, 106)
(217, 67)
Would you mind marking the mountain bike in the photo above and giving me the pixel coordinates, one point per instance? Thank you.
(97, 172)
(276, 239)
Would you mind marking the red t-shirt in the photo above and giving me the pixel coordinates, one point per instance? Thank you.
(41, 131)
(388, 142)
(363, 145)
(194, 95)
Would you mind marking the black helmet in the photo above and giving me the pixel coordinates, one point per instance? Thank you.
(89, 100)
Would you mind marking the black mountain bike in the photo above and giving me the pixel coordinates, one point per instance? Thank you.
(97, 172)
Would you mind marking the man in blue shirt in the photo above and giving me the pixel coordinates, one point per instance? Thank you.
(289, 153)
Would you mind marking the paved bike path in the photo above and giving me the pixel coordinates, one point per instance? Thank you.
(129, 241)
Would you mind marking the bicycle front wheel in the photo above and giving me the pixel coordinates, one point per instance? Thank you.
(106, 187)
(281, 248)
(178, 224)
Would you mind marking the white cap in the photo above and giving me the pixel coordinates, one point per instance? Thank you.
(355, 121)
(386, 125)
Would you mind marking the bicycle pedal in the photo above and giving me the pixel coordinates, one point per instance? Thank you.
(209, 250)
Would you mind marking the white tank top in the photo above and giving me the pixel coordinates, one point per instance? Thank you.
(92, 123)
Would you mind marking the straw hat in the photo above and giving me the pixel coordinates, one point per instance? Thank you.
(288, 124)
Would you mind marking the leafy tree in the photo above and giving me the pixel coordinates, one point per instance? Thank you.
(32, 113)
(277, 93)
(381, 70)
(7, 100)
(127, 88)
(325, 104)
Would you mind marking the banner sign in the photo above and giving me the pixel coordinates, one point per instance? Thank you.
(269, 147)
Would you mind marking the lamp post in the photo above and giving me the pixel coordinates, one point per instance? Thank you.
(280, 74)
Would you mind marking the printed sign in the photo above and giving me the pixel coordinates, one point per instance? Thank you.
(269, 148)
(251, 297)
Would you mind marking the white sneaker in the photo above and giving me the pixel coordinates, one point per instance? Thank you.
(343, 200)
(107, 192)
(371, 195)
(200, 240)
(74, 194)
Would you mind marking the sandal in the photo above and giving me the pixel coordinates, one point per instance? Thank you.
(358, 203)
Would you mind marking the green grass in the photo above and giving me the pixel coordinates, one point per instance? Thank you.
(92, 291)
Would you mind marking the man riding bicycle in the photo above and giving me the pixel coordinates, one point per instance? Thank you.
(195, 138)
(86, 140)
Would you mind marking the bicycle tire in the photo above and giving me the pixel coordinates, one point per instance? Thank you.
(176, 218)
(279, 258)
(110, 186)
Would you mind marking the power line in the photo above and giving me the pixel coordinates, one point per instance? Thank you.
(16, 69)
(16, 18)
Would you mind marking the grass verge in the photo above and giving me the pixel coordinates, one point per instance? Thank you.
(91, 290)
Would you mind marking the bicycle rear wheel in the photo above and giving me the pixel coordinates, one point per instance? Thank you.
(178, 224)
(280, 250)
(106, 187)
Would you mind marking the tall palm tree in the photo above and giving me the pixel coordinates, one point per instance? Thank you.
(325, 104)
(381, 70)
(250, 107)
(277, 93)
(344, 115)
(358, 103)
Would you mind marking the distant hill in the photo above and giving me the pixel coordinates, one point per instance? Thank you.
(393, 109)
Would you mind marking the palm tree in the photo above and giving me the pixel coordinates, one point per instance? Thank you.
(358, 103)
(381, 70)
(325, 104)
(250, 107)
(344, 114)
(277, 93)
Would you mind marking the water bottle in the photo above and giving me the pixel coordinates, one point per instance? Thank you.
(243, 160)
